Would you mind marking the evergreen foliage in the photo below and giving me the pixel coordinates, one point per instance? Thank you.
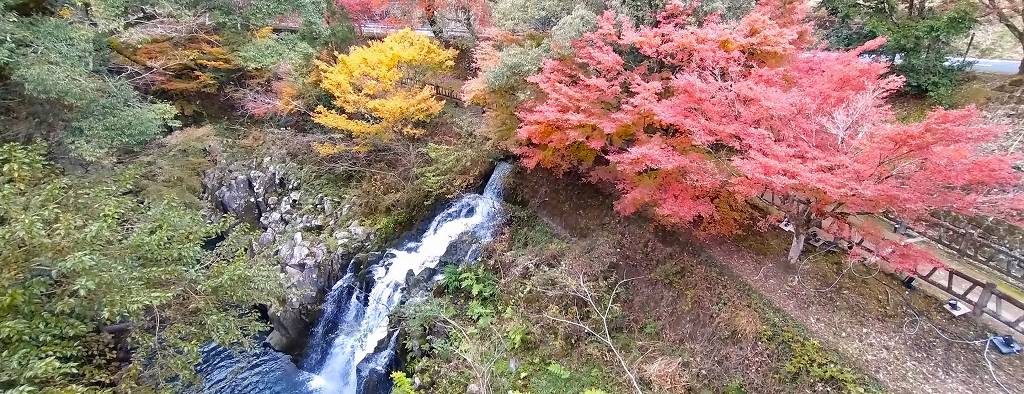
(89, 268)
(919, 36)
(60, 61)
(74, 56)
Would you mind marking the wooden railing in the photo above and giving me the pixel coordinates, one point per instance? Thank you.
(437, 90)
(978, 247)
(983, 297)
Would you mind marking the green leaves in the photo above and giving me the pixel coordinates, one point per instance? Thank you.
(285, 49)
(558, 370)
(61, 61)
(402, 383)
(86, 252)
(479, 283)
(921, 38)
(20, 165)
(483, 315)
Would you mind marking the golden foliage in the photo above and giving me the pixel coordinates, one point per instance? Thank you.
(375, 86)
(264, 33)
(288, 95)
(327, 149)
(65, 12)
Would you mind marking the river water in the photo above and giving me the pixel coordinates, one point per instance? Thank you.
(352, 348)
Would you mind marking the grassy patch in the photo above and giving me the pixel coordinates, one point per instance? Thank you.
(765, 244)
(485, 328)
(805, 360)
(529, 232)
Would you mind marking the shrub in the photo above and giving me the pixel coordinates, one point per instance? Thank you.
(52, 59)
(376, 87)
(921, 37)
(85, 255)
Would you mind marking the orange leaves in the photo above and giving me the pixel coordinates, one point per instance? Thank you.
(183, 65)
(263, 33)
(728, 45)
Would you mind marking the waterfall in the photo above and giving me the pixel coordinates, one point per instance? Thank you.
(351, 347)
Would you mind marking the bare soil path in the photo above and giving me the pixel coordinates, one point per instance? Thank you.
(890, 332)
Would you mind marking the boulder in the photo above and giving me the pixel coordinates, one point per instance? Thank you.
(464, 248)
(291, 331)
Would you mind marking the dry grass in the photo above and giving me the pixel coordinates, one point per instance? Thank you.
(667, 374)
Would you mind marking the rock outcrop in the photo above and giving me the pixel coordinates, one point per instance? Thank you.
(311, 237)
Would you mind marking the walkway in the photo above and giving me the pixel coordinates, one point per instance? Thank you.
(894, 334)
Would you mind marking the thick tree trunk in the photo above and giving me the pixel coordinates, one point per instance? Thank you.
(1020, 69)
(430, 9)
(797, 247)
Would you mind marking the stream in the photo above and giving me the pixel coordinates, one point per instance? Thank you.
(352, 349)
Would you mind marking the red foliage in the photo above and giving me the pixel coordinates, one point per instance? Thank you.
(415, 13)
(679, 114)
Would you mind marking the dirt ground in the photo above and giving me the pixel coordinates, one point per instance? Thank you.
(873, 321)
(714, 300)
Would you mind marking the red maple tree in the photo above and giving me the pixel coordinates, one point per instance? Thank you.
(472, 14)
(688, 115)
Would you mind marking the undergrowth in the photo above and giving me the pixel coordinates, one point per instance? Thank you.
(487, 326)
(805, 360)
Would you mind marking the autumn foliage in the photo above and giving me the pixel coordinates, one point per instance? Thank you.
(471, 14)
(376, 89)
(687, 118)
(185, 65)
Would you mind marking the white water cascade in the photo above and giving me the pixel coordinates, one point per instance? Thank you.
(352, 340)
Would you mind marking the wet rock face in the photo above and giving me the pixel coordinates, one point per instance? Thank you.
(309, 236)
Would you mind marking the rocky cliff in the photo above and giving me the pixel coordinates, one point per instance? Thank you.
(311, 237)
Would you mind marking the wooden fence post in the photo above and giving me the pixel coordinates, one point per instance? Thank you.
(986, 295)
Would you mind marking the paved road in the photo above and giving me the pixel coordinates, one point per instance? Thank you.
(991, 66)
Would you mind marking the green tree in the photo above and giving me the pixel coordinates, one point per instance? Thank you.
(920, 35)
(90, 267)
(59, 62)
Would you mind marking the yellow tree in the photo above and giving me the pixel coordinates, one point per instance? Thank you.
(376, 90)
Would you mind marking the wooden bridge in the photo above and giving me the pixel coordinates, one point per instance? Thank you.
(438, 90)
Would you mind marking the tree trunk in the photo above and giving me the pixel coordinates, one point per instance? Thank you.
(430, 10)
(797, 247)
(1020, 39)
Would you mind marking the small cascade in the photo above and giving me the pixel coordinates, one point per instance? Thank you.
(335, 309)
(351, 350)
